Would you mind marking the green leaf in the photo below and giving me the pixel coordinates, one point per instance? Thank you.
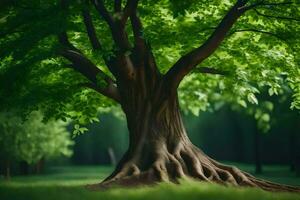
(76, 126)
(265, 117)
(252, 98)
(82, 130)
(242, 103)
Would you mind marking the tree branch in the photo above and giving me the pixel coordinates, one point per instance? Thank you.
(118, 6)
(91, 32)
(91, 71)
(125, 68)
(64, 40)
(111, 91)
(88, 22)
(257, 31)
(139, 41)
(276, 17)
(117, 28)
(99, 5)
(130, 8)
(262, 3)
(142, 49)
(189, 61)
(83, 65)
(210, 70)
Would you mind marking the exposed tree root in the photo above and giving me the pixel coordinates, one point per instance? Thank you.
(186, 161)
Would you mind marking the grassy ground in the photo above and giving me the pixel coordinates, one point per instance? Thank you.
(66, 183)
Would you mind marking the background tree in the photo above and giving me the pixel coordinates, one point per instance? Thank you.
(92, 149)
(266, 116)
(32, 140)
(219, 51)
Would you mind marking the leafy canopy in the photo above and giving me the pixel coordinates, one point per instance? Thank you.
(260, 53)
(32, 140)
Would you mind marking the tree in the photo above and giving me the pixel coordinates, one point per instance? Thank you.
(219, 51)
(266, 116)
(261, 115)
(32, 140)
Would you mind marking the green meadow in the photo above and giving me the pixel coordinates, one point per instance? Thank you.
(67, 183)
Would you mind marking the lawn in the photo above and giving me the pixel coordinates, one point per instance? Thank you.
(66, 183)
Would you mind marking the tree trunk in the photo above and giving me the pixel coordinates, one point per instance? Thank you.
(39, 167)
(7, 170)
(24, 168)
(257, 141)
(292, 150)
(239, 137)
(160, 150)
(112, 156)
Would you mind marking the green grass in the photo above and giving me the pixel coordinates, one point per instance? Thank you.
(274, 173)
(66, 183)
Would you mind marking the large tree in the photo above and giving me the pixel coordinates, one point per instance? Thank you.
(57, 56)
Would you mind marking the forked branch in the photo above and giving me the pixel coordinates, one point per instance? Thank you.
(117, 29)
(84, 66)
(189, 61)
(88, 22)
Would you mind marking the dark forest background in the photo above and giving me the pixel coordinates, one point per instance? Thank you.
(224, 135)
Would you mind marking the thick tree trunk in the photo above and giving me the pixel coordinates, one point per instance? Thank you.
(160, 150)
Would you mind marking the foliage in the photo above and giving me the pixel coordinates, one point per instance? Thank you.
(32, 140)
(260, 53)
